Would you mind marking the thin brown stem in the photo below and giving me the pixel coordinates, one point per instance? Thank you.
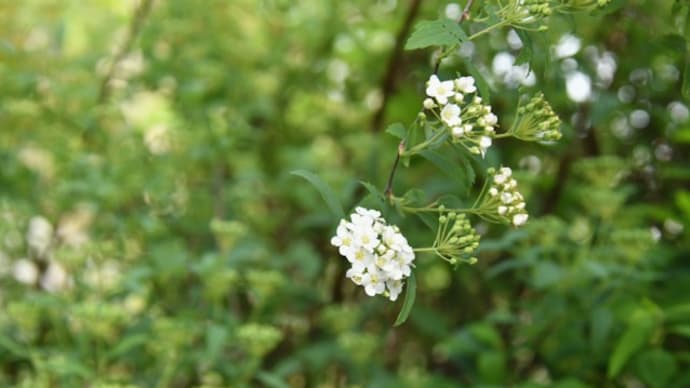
(388, 81)
(135, 25)
(465, 16)
(388, 192)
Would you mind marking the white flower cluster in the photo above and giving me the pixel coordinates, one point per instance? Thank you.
(456, 105)
(379, 254)
(504, 197)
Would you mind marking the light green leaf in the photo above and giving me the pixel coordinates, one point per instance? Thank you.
(639, 330)
(271, 380)
(398, 130)
(410, 295)
(441, 32)
(326, 193)
(686, 76)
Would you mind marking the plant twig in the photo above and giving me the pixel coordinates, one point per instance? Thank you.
(135, 25)
(465, 16)
(388, 82)
(388, 192)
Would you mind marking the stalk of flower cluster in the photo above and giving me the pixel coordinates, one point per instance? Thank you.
(536, 121)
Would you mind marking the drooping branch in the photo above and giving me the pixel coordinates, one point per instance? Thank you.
(138, 19)
(388, 80)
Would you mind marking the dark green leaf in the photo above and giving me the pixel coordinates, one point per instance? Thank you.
(441, 32)
(656, 367)
(326, 193)
(373, 190)
(527, 51)
(410, 295)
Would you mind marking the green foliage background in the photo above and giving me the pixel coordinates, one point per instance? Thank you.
(159, 142)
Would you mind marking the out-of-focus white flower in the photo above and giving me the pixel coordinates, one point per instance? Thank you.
(450, 114)
(465, 84)
(453, 11)
(568, 46)
(503, 66)
(4, 264)
(578, 86)
(55, 278)
(25, 271)
(639, 118)
(440, 90)
(673, 227)
(514, 40)
(678, 111)
(157, 139)
(39, 235)
(429, 103)
(379, 254)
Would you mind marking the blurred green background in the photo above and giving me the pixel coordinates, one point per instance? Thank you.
(151, 234)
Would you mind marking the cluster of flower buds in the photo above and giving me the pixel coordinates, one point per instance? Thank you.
(503, 202)
(538, 8)
(588, 4)
(456, 105)
(457, 239)
(536, 121)
(379, 254)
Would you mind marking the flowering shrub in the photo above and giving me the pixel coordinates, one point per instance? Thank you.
(151, 233)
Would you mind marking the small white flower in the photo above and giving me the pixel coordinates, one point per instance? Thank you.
(373, 214)
(506, 198)
(458, 131)
(465, 85)
(484, 144)
(490, 119)
(450, 114)
(440, 90)
(394, 289)
(429, 103)
(502, 210)
(520, 219)
(459, 98)
(373, 283)
(493, 191)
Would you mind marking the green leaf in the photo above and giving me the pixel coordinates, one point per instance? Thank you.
(398, 130)
(410, 295)
(677, 313)
(482, 85)
(441, 32)
(373, 190)
(270, 380)
(127, 344)
(639, 330)
(656, 367)
(685, 89)
(326, 193)
(13, 347)
(527, 51)
(491, 367)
